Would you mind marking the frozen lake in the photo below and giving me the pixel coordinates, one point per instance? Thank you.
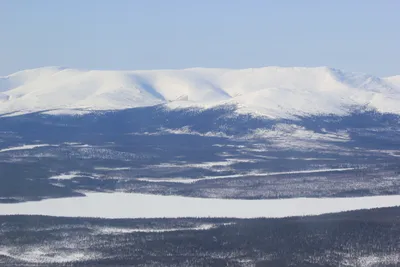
(132, 205)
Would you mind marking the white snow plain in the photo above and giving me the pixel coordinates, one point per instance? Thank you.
(240, 175)
(65, 176)
(133, 205)
(270, 91)
(24, 147)
(120, 230)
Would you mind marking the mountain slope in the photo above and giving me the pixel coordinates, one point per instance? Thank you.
(394, 81)
(272, 91)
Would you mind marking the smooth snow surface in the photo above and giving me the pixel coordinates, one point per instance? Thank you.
(112, 169)
(23, 147)
(240, 175)
(65, 176)
(116, 230)
(394, 80)
(271, 91)
(132, 205)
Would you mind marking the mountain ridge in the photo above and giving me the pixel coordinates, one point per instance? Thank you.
(277, 92)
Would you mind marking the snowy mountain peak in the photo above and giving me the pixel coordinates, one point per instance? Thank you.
(271, 91)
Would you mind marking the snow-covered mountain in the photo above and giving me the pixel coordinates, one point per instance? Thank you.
(271, 91)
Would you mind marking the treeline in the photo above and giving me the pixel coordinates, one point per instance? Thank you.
(346, 239)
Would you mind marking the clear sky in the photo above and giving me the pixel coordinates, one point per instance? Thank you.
(354, 35)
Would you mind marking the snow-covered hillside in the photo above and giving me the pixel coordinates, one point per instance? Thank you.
(394, 80)
(271, 91)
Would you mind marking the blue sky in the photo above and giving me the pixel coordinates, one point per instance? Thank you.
(355, 35)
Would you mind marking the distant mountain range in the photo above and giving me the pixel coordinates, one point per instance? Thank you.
(273, 92)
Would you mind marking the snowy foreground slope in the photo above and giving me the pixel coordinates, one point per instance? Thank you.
(272, 91)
